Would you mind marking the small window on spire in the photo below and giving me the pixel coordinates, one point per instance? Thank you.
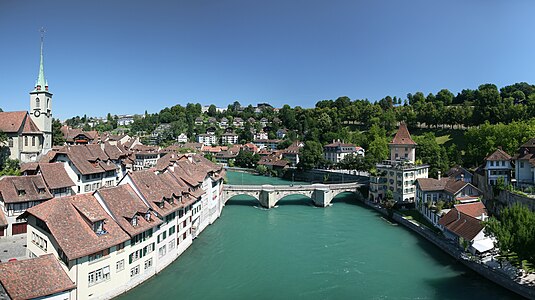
(37, 102)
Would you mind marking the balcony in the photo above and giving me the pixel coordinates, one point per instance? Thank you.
(400, 165)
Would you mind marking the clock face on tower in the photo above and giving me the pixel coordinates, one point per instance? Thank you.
(36, 113)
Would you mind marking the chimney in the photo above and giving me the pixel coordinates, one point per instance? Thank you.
(439, 173)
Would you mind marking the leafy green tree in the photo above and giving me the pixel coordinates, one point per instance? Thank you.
(445, 96)
(429, 152)
(514, 231)
(246, 159)
(57, 136)
(311, 155)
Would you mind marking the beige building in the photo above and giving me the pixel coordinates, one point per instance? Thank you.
(114, 239)
(398, 174)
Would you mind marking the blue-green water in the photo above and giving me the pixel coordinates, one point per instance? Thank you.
(298, 251)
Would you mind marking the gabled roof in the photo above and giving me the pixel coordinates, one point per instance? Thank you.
(156, 191)
(30, 127)
(68, 220)
(457, 171)
(12, 121)
(499, 154)
(88, 159)
(402, 137)
(461, 224)
(125, 204)
(473, 209)
(55, 175)
(18, 189)
(34, 278)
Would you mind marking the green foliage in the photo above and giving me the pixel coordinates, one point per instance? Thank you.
(311, 155)
(57, 136)
(429, 152)
(261, 169)
(246, 159)
(515, 231)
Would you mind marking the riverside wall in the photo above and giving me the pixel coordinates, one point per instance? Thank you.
(455, 252)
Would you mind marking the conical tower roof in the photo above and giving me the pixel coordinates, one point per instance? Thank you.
(403, 137)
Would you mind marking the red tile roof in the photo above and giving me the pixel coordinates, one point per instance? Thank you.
(474, 209)
(461, 224)
(68, 220)
(403, 137)
(12, 121)
(156, 191)
(34, 278)
(125, 204)
(18, 189)
(55, 175)
(88, 159)
(499, 154)
(30, 127)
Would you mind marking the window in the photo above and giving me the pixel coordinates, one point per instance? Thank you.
(25, 141)
(39, 241)
(148, 263)
(87, 188)
(119, 266)
(134, 221)
(171, 245)
(521, 164)
(98, 255)
(10, 142)
(491, 163)
(134, 271)
(148, 249)
(503, 163)
(136, 255)
(98, 276)
(37, 102)
(172, 230)
(162, 251)
(33, 140)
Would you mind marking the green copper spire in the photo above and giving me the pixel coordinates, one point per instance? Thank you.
(41, 83)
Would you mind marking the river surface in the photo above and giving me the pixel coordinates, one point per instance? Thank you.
(298, 251)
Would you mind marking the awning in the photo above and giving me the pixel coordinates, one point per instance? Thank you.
(483, 245)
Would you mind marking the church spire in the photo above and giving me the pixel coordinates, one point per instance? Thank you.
(41, 81)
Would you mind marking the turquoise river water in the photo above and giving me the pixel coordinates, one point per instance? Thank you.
(298, 251)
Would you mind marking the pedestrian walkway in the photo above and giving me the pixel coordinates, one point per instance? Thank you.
(13, 247)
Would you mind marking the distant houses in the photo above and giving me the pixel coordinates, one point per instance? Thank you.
(337, 151)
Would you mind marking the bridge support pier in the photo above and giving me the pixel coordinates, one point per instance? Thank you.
(267, 196)
(322, 195)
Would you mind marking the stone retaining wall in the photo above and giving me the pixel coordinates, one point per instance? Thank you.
(455, 252)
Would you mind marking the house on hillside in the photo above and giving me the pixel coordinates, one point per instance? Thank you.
(498, 166)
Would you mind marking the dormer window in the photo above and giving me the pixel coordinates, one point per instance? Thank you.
(161, 204)
(147, 216)
(98, 227)
(134, 221)
(41, 190)
(21, 192)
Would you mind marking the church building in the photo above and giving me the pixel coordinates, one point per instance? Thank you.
(29, 134)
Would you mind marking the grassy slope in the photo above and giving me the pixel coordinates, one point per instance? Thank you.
(446, 137)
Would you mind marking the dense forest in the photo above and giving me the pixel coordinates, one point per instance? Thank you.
(482, 119)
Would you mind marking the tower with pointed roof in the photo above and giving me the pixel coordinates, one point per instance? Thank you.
(41, 104)
(400, 172)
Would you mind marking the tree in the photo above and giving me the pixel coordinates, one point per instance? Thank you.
(445, 96)
(212, 111)
(515, 231)
(311, 155)
(57, 136)
(246, 159)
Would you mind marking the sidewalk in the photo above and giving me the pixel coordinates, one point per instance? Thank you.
(13, 247)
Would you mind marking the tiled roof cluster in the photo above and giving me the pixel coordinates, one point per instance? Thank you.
(143, 195)
(71, 134)
(464, 220)
(88, 159)
(45, 277)
(19, 189)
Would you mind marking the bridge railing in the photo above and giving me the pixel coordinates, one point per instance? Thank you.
(237, 187)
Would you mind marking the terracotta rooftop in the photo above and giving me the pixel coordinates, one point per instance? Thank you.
(30, 127)
(55, 175)
(69, 219)
(474, 209)
(461, 224)
(499, 154)
(88, 159)
(403, 137)
(12, 121)
(34, 278)
(18, 189)
(125, 204)
(157, 192)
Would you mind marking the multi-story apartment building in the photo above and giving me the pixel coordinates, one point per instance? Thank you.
(114, 239)
(400, 172)
(88, 166)
(525, 164)
(336, 151)
(207, 139)
(229, 138)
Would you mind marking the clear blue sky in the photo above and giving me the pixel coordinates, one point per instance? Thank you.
(130, 56)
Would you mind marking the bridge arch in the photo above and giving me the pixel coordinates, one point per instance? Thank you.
(244, 199)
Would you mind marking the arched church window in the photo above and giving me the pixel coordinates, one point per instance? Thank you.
(37, 102)
(47, 102)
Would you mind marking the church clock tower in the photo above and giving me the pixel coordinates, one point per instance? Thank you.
(41, 104)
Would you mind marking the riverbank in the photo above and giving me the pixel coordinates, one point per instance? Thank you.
(448, 247)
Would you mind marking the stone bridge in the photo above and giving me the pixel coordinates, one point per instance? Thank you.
(269, 195)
